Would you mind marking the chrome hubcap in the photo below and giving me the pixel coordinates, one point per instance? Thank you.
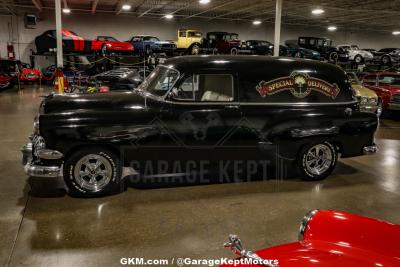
(93, 172)
(318, 159)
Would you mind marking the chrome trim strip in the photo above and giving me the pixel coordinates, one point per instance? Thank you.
(369, 150)
(304, 223)
(42, 171)
(299, 104)
(50, 154)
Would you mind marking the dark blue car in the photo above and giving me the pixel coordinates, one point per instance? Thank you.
(146, 45)
(300, 52)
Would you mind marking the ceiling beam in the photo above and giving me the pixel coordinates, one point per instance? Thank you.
(94, 6)
(212, 8)
(5, 6)
(38, 4)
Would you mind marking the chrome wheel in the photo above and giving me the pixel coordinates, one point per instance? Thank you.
(93, 172)
(318, 159)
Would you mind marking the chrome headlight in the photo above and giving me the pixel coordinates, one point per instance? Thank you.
(364, 100)
(373, 100)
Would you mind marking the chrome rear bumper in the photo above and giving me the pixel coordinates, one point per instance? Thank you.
(39, 170)
(368, 150)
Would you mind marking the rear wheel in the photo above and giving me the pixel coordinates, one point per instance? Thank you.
(358, 59)
(234, 51)
(333, 57)
(93, 172)
(386, 60)
(195, 50)
(317, 161)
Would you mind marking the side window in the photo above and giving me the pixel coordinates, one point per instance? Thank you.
(302, 41)
(182, 34)
(207, 88)
(215, 88)
(188, 89)
(370, 80)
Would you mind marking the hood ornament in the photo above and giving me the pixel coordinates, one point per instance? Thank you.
(235, 245)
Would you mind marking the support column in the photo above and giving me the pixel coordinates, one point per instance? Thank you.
(277, 38)
(59, 34)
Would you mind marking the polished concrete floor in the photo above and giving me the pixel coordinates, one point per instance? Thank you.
(53, 229)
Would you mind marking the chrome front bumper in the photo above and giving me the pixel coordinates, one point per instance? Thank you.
(369, 150)
(38, 170)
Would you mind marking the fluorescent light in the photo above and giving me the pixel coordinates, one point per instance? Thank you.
(204, 2)
(396, 33)
(169, 16)
(257, 22)
(317, 11)
(332, 28)
(126, 7)
(66, 10)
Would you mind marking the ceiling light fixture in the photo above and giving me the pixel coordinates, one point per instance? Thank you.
(169, 16)
(317, 11)
(204, 2)
(396, 33)
(126, 7)
(257, 22)
(332, 28)
(66, 10)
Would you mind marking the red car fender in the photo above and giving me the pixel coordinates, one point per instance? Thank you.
(332, 239)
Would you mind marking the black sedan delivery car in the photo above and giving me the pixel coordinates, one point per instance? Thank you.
(196, 108)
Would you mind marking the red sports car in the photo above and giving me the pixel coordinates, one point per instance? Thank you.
(387, 86)
(29, 74)
(329, 239)
(71, 42)
(107, 44)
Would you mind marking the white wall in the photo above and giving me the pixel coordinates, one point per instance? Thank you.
(123, 27)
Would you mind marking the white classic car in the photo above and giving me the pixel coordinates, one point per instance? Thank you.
(356, 54)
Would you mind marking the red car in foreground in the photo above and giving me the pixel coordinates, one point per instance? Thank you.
(330, 239)
(107, 44)
(387, 86)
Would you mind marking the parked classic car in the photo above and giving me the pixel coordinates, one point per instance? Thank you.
(70, 40)
(146, 45)
(356, 54)
(387, 56)
(108, 44)
(328, 238)
(324, 47)
(29, 74)
(15, 69)
(189, 41)
(260, 47)
(294, 50)
(184, 110)
(222, 43)
(367, 98)
(387, 86)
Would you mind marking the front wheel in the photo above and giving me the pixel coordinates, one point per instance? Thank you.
(93, 172)
(317, 161)
(358, 59)
(234, 51)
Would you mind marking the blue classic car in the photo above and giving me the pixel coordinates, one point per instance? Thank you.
(294, 50)
(146, 45)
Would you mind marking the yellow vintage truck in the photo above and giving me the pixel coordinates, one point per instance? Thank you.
(189, 41)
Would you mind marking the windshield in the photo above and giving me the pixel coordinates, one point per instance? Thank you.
(353, 78)
(160, 81)
(346, 48)
(390, 80)
(355, 47)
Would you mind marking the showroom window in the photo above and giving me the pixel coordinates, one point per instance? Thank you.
(206, 88)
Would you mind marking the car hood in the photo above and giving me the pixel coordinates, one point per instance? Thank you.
(363, 91)
(101, 102)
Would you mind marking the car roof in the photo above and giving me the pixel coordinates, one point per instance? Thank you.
(246, 63)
